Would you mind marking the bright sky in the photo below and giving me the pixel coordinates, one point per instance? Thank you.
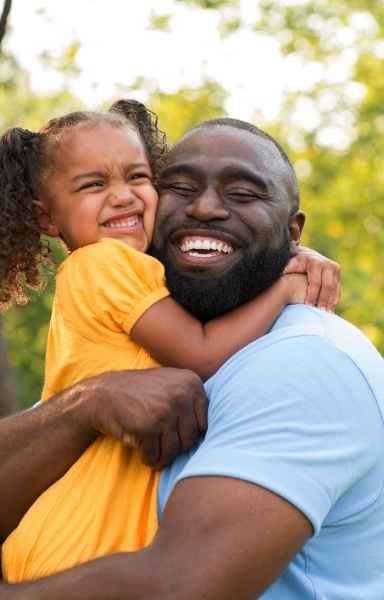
(117, 47)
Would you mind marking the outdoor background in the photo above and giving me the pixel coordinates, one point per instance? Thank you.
(310, 72)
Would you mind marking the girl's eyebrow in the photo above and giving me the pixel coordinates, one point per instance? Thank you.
(102, 173)
(86, 175)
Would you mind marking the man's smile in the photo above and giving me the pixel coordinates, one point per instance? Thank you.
(197, 246)
(204, 248)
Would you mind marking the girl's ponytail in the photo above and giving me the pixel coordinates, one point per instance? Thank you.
(21, 249)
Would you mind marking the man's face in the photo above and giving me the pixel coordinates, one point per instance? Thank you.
(224, 228)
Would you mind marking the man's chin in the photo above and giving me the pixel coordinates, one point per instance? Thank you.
(208, 295)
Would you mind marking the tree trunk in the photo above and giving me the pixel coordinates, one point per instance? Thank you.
(8, 399)
(4, 19)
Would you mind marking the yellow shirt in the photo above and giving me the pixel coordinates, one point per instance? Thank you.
(107, 501)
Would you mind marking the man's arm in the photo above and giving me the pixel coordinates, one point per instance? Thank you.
(158, 410)
(220, 538)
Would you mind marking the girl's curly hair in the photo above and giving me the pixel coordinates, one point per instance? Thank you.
(145, 122)
(27, 159)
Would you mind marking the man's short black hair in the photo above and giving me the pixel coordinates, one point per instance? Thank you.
(239, 124)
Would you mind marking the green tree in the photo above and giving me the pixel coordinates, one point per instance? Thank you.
(339, 158)
(24, 328)
(331, 121)
(8, 398)
(180, 111)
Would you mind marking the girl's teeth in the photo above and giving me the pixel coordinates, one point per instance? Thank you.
(127, 223)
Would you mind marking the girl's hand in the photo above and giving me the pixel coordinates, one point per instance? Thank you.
(323, 277)
(296, 288)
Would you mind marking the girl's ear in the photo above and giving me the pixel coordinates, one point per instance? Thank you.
(46, 223)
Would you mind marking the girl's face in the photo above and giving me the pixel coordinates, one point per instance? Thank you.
(101, 187)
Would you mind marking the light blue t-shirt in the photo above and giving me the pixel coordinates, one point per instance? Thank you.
(300, 412)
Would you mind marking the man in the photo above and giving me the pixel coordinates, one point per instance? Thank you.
(284, 497)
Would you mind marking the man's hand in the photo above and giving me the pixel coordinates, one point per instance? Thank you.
(323, 277)
(159, 411)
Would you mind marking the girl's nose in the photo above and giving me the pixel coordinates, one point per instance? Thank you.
(121, 195)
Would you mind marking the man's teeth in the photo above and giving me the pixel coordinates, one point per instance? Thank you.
(205, 245)
(126, 223)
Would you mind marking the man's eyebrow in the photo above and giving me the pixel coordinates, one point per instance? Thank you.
(229, 173)
(232, 172)
(182, 169)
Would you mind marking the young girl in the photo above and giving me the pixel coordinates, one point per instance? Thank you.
(88, 178)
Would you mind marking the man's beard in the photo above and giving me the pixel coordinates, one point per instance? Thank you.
(207, 299)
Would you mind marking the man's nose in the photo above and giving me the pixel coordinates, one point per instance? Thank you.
(207, 206)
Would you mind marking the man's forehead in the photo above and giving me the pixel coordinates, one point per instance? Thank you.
(224, 142)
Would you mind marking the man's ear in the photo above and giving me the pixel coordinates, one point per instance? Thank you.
(46, 223)
(295, 228)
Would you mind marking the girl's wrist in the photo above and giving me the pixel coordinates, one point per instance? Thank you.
(283, 289)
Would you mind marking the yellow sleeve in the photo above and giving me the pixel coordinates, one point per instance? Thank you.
(110, 285)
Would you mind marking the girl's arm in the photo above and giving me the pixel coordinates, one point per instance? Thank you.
(323, 277)
(178, 339)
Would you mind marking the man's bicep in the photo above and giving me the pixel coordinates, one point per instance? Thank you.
(226, 538)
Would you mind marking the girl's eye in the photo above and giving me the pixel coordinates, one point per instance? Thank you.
(91, 184)
(136, 176)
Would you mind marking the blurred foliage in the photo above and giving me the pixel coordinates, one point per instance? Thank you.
(211, 4)
(340, 159)
(26, 331)
(20, 106)
(337, 152)
(160, 22)
(25, 327)
(180, 111)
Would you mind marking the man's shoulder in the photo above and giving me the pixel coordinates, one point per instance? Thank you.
(313, 339)
(301, 321)
(332, 333)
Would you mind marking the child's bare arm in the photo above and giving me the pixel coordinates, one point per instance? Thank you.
(323, 277)
(178, 339)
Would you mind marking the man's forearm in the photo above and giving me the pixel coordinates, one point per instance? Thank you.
(100, 579)
(220, 538)
(37, 447)
(158, 410)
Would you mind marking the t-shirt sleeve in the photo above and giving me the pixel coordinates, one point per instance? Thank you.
(112, 281)
(280, 421)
